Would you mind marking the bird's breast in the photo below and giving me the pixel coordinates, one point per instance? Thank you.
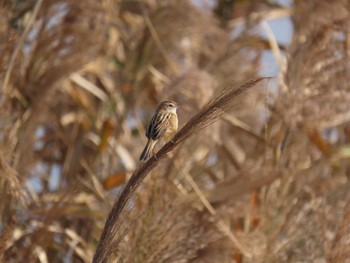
(172, 125)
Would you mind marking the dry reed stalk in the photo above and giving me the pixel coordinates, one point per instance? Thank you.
(207, 116)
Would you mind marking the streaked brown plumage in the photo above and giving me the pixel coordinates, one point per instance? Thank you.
(161, 128)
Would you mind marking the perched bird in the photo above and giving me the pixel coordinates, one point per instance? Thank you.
(163, 125)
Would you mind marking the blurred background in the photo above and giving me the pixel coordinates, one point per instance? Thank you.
(267, 183)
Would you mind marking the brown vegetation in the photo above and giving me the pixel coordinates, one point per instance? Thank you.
(264, 181)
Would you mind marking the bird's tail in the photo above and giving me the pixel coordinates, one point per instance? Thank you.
(148, 151)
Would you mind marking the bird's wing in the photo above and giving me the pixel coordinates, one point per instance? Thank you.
(150, 127)
(160, 124)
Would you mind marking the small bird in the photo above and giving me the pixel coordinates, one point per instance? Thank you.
(163, 125)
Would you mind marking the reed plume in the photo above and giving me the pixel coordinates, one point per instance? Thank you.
(205, 117)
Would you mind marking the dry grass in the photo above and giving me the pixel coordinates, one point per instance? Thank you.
(263, 182)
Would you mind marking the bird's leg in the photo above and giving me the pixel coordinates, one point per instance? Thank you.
(154, 154)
